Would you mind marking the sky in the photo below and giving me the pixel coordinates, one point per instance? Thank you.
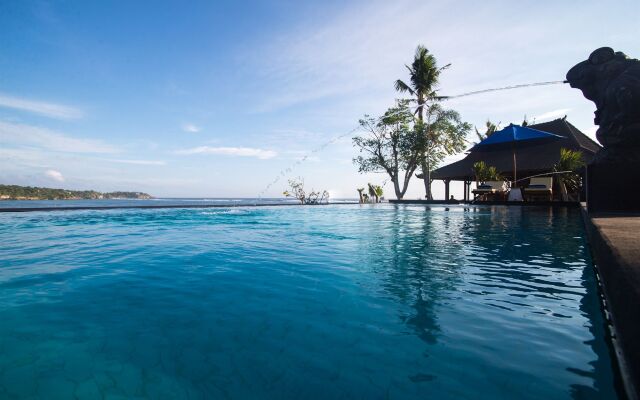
(231, 99)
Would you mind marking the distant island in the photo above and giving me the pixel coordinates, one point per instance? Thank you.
(15, 192)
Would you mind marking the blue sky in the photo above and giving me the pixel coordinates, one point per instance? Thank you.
(220, 99)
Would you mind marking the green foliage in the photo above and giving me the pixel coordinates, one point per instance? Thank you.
(484, 172)
(570, 182)
(445, 134)
(297, 191)
(490, 127)
(372, 191)
(423, 77)
(398, 141)
(391, 144)
(126, 195)
(375, 192)
(379, 191)
(15, 192)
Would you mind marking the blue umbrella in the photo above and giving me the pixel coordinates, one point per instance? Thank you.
(514, 134)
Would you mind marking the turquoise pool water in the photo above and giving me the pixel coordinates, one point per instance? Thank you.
(371, 302)
(157, 202)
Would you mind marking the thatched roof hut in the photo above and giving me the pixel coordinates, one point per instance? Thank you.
(533, 158)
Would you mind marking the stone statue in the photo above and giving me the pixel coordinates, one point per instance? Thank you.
(612, 81)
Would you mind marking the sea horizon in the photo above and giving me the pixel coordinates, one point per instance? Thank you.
(159, 201)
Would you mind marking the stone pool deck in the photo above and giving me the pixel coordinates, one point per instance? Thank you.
(488, 203)
(615, 246)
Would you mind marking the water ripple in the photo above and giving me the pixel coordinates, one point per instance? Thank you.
(300, 302)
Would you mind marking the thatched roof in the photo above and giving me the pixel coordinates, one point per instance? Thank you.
(532, 158)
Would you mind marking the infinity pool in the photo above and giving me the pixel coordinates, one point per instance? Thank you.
(371, 302)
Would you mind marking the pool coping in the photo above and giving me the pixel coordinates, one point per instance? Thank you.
(616, 273)
(489, 203)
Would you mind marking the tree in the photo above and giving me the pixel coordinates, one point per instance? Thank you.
(424, 74)
(379, 192)
(491, 128)
(484, 173)
(375, 192)
(444, 135)
(372, 192)
(361, 199)
(570, 182)
(297, 191)
(391, 144)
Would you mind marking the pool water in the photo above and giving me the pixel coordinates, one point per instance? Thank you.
(155, 202)
(341, 301)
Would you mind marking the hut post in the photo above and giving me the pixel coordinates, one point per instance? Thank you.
(446, 189)
(467, 190)
(464, 195)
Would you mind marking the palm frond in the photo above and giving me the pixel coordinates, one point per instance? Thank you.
(403, 87)
(444, 67)
(410, 69)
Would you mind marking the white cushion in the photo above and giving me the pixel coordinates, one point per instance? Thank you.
(546, 181)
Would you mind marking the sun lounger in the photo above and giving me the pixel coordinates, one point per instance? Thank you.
(490, 189)
(539, 188)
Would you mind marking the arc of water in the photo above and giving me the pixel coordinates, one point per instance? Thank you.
(441, 98)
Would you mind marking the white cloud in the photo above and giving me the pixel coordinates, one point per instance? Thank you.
(551, 115)
(191, 128)
(28, 135)
(336, 57)
(230, 151)
(350, 60)
(51, 110)
(54, 175)
(138, 162)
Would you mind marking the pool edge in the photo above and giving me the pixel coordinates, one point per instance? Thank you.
(152, 207)
(615, 278)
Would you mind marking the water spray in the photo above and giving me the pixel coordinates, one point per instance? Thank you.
(441, 98)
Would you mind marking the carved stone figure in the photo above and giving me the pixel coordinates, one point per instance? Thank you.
(612, 81)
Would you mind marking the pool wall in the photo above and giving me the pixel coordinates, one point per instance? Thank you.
(615, 249)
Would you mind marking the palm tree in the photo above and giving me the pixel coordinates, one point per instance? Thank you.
(484, 172)
(372, 193)
(423, 78)
(360, 190)
(379, 192)
(491, 129)
(570, 160)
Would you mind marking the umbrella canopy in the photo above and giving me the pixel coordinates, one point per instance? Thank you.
(513, 135)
